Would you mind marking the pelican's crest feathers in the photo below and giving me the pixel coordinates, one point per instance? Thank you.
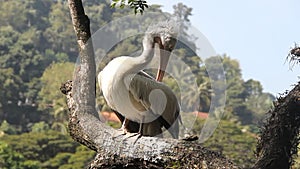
(169, 28)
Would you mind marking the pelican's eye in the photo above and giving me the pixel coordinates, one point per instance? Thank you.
(170, 45)
(157, 40)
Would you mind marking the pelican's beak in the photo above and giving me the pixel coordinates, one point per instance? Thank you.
(164, 55)
(164, 59)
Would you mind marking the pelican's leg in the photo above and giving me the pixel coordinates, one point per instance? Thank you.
(141, 129)
(123, 127)
(121, 131)
(139, 134)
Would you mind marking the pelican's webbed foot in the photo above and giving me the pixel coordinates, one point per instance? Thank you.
(139, 134)
(122, 131)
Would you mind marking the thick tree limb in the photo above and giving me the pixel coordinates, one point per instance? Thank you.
(280, 135)
(86, 128)
(147, 152)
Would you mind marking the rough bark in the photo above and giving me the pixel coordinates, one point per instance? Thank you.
(122, 151)
(279, 137)
(84, 92)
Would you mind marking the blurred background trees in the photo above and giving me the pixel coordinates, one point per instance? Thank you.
(38, 52)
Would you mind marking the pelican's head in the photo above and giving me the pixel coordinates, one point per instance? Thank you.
(165, 35)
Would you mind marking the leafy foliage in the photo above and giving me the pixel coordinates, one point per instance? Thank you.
(26, 51)
(245, 100)
(48, 149)
(232, 140)
(7, 128)
(12, 159)
(50, 98)
(293, 56)
(136, 5)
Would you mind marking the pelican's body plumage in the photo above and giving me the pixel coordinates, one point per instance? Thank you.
(138, 98)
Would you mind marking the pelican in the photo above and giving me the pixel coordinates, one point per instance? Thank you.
(136, 96)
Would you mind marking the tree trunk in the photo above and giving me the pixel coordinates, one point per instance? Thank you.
(113, 149)
(279, 137)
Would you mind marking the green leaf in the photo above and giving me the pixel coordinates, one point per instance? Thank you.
(113, 5)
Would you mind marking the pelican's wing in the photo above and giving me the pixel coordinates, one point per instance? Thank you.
(143, 73)
(139, 90)
(144, 91)
(148, 94)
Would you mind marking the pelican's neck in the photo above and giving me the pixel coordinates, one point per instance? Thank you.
(138, 63)
(145, 57)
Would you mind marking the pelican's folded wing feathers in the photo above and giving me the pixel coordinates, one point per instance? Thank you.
(140, 89)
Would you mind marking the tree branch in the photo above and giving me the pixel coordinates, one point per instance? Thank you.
(147, 152)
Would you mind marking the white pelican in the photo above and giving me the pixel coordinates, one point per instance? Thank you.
(139, 98)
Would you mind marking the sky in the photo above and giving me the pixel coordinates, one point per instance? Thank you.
(257, 33)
